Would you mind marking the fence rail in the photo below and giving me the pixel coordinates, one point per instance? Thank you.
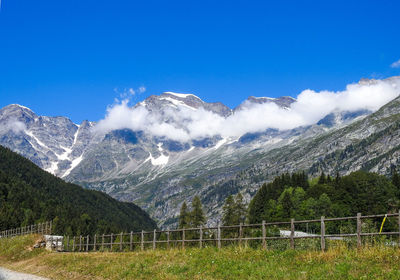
(262, 234)
(41, 228)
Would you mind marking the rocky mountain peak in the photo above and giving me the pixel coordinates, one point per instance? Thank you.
(17, 112)
(283, 101)
(177, 101)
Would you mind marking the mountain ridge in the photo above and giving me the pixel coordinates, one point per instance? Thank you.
(160, 173)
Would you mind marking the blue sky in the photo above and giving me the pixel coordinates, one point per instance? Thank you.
(68, 57)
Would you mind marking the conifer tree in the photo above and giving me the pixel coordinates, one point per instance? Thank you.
(228, 214)
(337, 179)
(240, 209)
(287, 203)
(322, 178)
(396, 180)
(197, 217)
(184, 216)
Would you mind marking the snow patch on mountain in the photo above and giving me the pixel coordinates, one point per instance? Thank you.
(177, 103)
(220, 143)
(30, 134)
(20, 106)
(161, 160)
(53, 167)
(74, 163)
(65, 155)
(181, 95)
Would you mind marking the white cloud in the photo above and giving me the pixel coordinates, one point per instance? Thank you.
(395, 64)
(142, 89)
(184, 124)
(14, 125)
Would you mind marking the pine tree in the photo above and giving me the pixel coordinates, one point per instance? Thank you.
(322, 178)
(184, 216)
(337, 179)
(228, 214)
(240, 209)
(197, 217)
(287, 203)
(396, 181)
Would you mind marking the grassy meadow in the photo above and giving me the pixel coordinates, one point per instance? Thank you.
(374, 262)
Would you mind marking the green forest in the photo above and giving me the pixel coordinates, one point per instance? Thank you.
(30, 195)
(295, 196)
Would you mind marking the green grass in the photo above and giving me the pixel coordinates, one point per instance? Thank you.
(19, 248)
(376, 262)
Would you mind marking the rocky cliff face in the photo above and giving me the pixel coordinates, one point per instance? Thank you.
(159, 174)
(55, 144)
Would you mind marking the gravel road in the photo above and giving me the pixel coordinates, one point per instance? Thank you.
(6, 274)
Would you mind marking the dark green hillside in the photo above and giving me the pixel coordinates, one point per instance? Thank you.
(29, 195)
(292, 196)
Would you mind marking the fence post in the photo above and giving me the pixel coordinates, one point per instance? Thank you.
(68, 243)
(219, 236)
(264, 235)
(240, 234)
(398, 220)
(131, 241)
(201, 237)
(292, 233)
(87, 243)
(120, 241)
(142, 240)
(51, 243)
(73, 245)
(111, 242)
(168, 239)
(51, 226)
(154, 239)
(322, 233)
(358, 230)
(102, 242)
(183, 238)
(94, 243)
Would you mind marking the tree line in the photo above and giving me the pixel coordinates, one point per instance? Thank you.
(29, 195)
(299, 197)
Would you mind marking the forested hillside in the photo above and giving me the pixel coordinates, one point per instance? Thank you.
(294, 196)
(29, 195)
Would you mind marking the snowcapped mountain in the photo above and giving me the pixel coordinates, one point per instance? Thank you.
(284, 101)
(172, 146)
(180, 100)
(55, 144)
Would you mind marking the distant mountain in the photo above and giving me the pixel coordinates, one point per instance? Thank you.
(29, 195)
(55, 144)
(284, 101)
(178, 100)
(159, 173)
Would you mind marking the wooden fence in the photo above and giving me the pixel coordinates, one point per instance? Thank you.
(42, 228)
(261, 235)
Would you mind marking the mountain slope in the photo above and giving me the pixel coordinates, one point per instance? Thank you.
(28, 194)
(55, 144)
(170, 147)
(214, 173)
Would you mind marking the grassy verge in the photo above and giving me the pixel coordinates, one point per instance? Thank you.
(209, 263)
